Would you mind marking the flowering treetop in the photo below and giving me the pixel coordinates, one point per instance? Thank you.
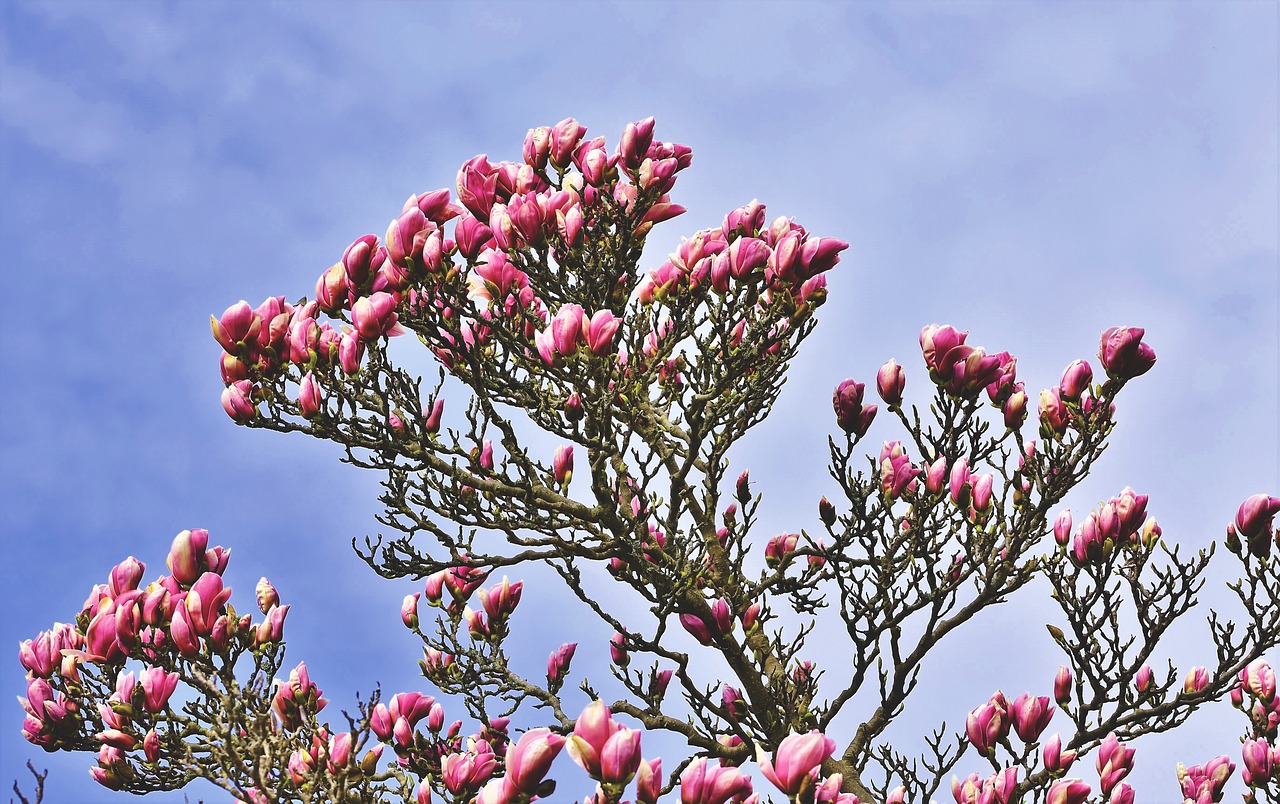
(527, 287)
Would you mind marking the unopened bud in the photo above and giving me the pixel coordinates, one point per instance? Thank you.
(827, 512)
(573, 407)
(267, 595)
(1062, 685)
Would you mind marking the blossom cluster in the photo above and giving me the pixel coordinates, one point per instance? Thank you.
(455, 267)
(177, 617)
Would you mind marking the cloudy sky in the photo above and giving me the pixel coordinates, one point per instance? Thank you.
(1033, 173)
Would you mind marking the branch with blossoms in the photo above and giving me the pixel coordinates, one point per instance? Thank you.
(527, 288)
(167, 683)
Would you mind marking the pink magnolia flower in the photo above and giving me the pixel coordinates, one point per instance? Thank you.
(988, 724)
(566, 328)
(565, 137)
(478, 186)
(1259, 762)
(1197, 680)
(497, 791)
(183, 632)
(1075, 380)
(799, 757)
(852, 416)
(1031, 716)
(937, 342)
(558, 664)
(537, 147)
(890, 382)
(897, 473)
(477, 625)
(1015, 408)
(1068, 791)
(266, 595)
(362, 259)
(980, 501)
(125, 576)
(473, 237)
(412, 706)
(618, 649)
(205, 602)
(157, 687)
(271, 629)
(600, 330)
(778, 548)
(151, 746)
(339, 751)
(545, 344)
(1056, 760)
(1130, 511)
(529, 760)
(1260, 680)
(935, 475)
(1123, 354)
(562, 465)
(633, 147)
(620, 758)
(296, 695)
(746, 255)
(696, 626)
(497, 278)
(39, 656)
(1115, 761)
(733, 702)
(407, 234)
(747, 220)
(462, 580)
(375, 315)
(569, 224)
(1005, 383)
(1054, 416)
(649, 781)
(1204, 783)
(703, 784)
(310, 400)
(409, 610)
(238, 324)
(1255, 515)
(350, 352)
(500, 601)
(591, 732)
(463, 771)
(1142, 680)
(1062, 528)
(820, 255)
(237, 401)
(431, 419)
(966, 370)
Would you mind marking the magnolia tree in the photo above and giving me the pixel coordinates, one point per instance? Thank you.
(527, 287)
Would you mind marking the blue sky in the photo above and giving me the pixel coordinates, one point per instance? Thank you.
(1031, 172)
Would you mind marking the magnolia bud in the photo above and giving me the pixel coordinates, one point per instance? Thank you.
(827, 512)
(267, 595)
(890, 381)
(409, 611)
(1062, 686)
(618, 650)
(573, 407)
